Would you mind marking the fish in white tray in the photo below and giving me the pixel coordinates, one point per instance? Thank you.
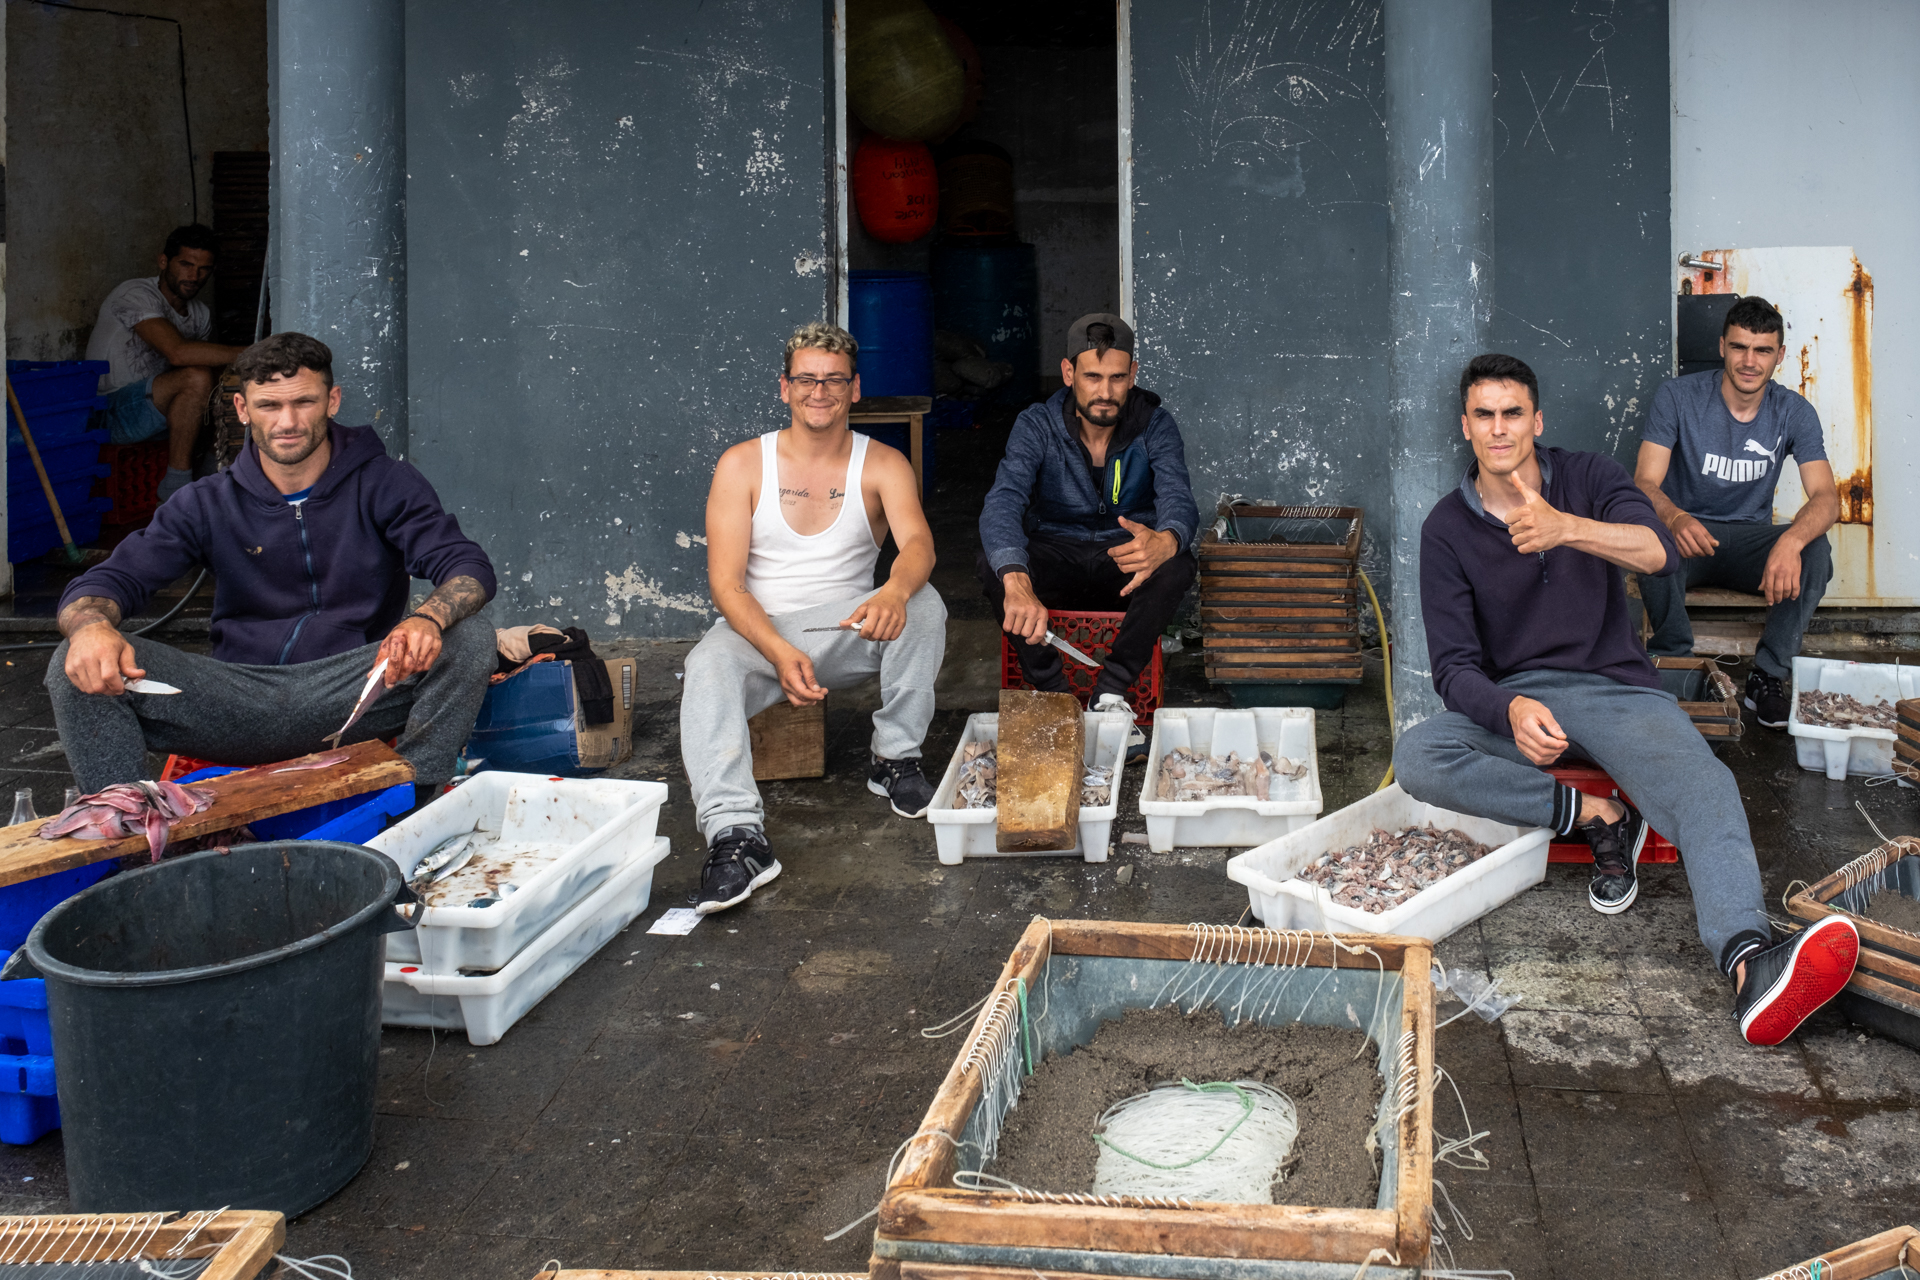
(445, 858)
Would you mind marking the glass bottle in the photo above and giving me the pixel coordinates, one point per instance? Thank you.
(72, 798)
(23, 806)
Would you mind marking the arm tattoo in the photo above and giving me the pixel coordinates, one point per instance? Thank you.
(86, 611)
(453, 602)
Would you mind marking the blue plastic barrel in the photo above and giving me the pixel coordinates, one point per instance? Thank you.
(890, 314)
(991, 293)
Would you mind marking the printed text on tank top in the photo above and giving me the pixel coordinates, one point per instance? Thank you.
(812, 496)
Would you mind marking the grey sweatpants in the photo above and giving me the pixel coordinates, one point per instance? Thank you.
(1737, 564)
(1646, 744)
(728, 680)
(238, 714)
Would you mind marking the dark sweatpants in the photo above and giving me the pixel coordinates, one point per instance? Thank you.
(1737, 564)
(1082, 577)
(247, 715)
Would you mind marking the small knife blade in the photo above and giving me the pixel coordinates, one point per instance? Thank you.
(149, 686)
(1070, 651)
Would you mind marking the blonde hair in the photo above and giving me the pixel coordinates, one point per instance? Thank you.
(821, 336)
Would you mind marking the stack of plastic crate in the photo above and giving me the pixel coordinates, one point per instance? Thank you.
(58, 398)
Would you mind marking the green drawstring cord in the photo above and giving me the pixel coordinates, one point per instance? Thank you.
(1116, 482)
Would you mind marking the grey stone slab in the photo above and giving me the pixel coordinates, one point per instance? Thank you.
(439, 1074)
(1805, 1150)
(1696, 1051)
(1761, 1239)
(438, 1251)
(421, 1171)
(1614, 1142)
(1678, 982)
(1471, 1049)
(677, 1006)
(1581, 1051)
(1597, 1235)
(1567, 922)
(1577, 981)
(1508, 1232)
(1494, 1108)
(572, 1182)
(1858, 1066)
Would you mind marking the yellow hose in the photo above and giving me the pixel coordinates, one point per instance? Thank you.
(1386, 653)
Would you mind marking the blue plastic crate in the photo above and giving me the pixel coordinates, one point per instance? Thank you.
(22, 904)
(80, 453)
(27, 540)
(354, 820)
(53, 425)
(44, 382)
(29, 1101)
(72, 488)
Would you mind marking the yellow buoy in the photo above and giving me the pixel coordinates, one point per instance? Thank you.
(903, 78)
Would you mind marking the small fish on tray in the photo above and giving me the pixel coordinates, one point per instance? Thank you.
(129, 808)
(979, 773)
(1392, 866)
(1187, 775)
(446, 858)
(1830, 710)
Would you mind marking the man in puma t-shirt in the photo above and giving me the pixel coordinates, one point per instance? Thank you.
(1709, 460)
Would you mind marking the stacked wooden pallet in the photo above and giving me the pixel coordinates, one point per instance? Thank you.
(1279, 594)
(1906, 741)
(1709, 698)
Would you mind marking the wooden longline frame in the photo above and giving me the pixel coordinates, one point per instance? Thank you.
(921, 1203)
(1889, 966)
(238, 1242)
(1861, 1260)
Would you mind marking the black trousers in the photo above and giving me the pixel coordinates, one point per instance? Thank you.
(1082, 577)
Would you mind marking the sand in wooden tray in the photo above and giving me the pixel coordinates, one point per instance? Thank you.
(1890, 906)
(1047, 1142)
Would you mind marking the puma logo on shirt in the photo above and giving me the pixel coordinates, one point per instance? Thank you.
(1753, 446)
(1737, 470)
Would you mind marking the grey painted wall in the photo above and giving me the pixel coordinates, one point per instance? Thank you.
(1261, 232)
(99, 165)
(616, 214)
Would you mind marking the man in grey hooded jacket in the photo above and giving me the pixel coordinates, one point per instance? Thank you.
(1091, 510)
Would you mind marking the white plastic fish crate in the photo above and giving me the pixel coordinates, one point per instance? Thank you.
(1232, 820)
(1839, 752)
(572, 833)
(960, 833)
(486, 1005)
(1282, 901)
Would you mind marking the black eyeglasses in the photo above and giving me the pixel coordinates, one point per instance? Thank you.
(834, 383)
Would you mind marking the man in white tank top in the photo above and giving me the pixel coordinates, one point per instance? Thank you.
(795, 521)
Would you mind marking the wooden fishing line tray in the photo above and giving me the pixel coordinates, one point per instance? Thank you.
(238, 1242)
(1280, 610)
(925, 1213)
(1870, 1259)
(1889, 967)
(547, 1273)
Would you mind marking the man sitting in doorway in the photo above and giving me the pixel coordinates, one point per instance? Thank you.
(152, 332)
(795, 521)
(1709, 461)
(311, 536)
(1091, 510)
(1533, 655)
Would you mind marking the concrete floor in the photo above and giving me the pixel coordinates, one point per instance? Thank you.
(723, 1100)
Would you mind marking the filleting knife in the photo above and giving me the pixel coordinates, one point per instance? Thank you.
(1070, 651)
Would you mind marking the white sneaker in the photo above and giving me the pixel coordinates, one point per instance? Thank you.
(1108, 703)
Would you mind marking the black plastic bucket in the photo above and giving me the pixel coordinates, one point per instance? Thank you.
(216, 1026)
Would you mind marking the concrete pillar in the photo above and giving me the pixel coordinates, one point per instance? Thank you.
(337, 92)
(1439, 56)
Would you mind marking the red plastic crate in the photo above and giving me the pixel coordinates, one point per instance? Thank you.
(1093, 634)
(134, 485)
(1595, 782)
(180, 766)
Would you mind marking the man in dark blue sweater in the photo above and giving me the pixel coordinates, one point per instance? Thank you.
(311, 536)
(1091, 510)
(1534, 656)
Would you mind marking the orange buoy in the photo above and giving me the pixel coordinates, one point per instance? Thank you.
(896, 188)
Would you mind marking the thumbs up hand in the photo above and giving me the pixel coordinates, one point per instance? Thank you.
(1535, 524)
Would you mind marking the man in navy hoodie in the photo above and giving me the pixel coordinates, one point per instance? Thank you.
(1533, 654)
(311, 536)
(1091, 510)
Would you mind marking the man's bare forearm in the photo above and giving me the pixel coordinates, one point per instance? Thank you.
(1816, 515)
(451, 603)
(1663, 506)
(912, 567)
(1631, 546)
(86, 611)
(746, 616)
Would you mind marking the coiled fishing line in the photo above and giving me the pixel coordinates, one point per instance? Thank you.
(1224, 1142)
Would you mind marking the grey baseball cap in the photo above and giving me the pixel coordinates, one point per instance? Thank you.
(1078, 341)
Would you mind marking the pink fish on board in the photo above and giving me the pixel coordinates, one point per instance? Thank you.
(129, 808)
(321, 761)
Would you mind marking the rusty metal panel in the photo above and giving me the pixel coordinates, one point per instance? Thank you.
(1827, 299)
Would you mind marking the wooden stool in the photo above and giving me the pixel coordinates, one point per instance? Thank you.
(789, 742)
(911, 410)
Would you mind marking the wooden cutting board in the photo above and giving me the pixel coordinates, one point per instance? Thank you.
(239, 799)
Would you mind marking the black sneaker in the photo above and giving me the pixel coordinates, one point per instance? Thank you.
(901, 782)
(739, 862)
(1788, 981)
(1767, 699)
(1616, 859)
